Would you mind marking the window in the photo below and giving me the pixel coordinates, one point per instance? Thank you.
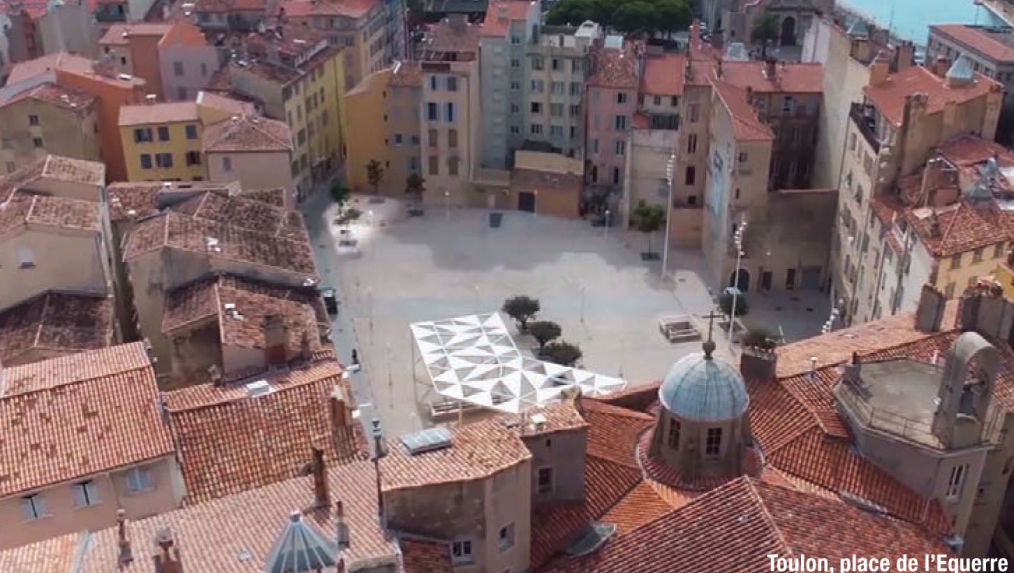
(415, 140)
(11, 167)
(787, 104)
(621, 97)
(138, 480)
(536, 129)
(33, 119)
(692, 144)
(515, 108)
(452, 166)
(576, 65)
(145, 161)
(37, 142)
(432, 137)
(536, 107)
(191, 131)
(556, 131)
(743, 157)
(397, 139)
(142, 135)
(204, 69)
(515, 86)
(556, 110)
(621, 147)
(616, 175)
(977, 255)
(452, 138)
(556, 64)
(506, 538)
(163, 133)
(536, 62)
(575, 88)
(26, 259)
(998, 251)
(955, 482)
(434, 162)
(556, 88)
(694, 113)
(515, 40)
(450, 112)
(193, 158)
(515, 63)
(433, 83)
(674, 434)
(33, 507)
(515, 130)
(226, 164)
(432, 113)
(674, 101)
(461, 553)
(538, 86)
(85, 494)
(595, 146)
(691, 200)
(620, 122)
(574, 111)
(691, 175)
(545, 480)
(164, 160)
(452, 84)
(713, 441)
(956, 261)
(178, 69)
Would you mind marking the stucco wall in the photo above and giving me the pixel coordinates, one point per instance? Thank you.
(63, 261)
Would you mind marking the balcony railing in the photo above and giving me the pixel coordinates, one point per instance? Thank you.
(862, 115)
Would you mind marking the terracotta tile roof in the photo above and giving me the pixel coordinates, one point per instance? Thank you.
(57, 95)
(663, 75)
(55, 323)
(247, 133)
(273, 197)
(216, 536)
(119, 34)
(158, 113)
(745, 123)
(733, 528)
(977, 41)
(204, 300)
(229, 442)
(52, 167)
(972, 150)
(70, 64)
(54, 555)
(614, 68)
(354, 9)
(133, 199)
(230, 5)
(443, 37)
(957, 229)
(641, 505)
(245, 212)
(889, 97)
(30, 211)
(406, 74)
(478, 450)
(182, 33)
(500, 13)
(223, 103)
(425, 556)
(174, 230)
(789, 77)
(613, 431)
(59, 427)
(534, 180)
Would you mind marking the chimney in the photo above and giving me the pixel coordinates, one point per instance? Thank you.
(880, 69)
(930, 312)
(276, 339)
(321, 495)
(305, 351)
(759, 364)
(457, 22)
(341, 408)
(572, 394)
(341, 528)
(940, 66)
(126, 556)
(167, 556)
(215, 374)
(770, 69)
(904, 56)
(984, 309)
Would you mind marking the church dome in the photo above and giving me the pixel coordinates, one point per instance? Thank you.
(701, 388)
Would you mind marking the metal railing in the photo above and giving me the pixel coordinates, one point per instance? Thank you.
(885, 420)
(865, 123)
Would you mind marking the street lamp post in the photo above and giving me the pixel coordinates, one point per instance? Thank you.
(582, 304)
(668, 213)
(738, 241)
(605, 231)
(447, 204)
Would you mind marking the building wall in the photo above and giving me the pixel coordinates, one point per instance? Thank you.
(563, 87)
(63, 517)
(199, 63)
(67, 27)
(694, 143)
(253, 170)
(438, 156)
(63, 260)
(365, 41)
(564, 454)
(178, 146)
(606, 166)
(405, 157)
(496, 79)
(70, 133)
(940, 45)
(366, 108)
(651, 152)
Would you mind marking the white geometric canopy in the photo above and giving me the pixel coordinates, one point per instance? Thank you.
(473, 358)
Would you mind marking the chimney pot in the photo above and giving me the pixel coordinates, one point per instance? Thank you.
(930, 312)
(321, 495)
(126, 553)
(341, 528)
(276, 339)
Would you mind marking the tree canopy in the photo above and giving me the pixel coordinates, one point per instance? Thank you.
(563, 353)
(648, 218)
(544, 331)
(764, 31)
(521, 308)
(637, 17)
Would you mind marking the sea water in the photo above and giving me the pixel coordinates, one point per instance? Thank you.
(910, 19)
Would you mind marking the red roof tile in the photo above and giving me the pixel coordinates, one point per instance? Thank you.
(745, 123)
(664, 75)
(425, 556)
(889, 97)
(55, 323)
(500, 13)
(957, 229)
(247, 133)
(614, 68)
(977, 41)
(788, 78)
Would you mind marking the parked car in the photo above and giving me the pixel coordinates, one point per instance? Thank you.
(330, 300)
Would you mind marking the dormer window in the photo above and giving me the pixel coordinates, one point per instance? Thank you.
(713, 443)
(674, 434)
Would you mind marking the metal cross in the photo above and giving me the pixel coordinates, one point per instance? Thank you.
(711, 321)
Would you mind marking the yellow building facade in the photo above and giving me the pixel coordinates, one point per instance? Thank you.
(365, 107)
(48, 119)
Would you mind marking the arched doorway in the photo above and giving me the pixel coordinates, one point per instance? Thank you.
(743, 284)
(789, 31)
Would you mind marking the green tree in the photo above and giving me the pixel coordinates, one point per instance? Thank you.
(544, 331)
(673, 16)
(571, 12)
(563, 353)
(374, 174)
(759, 338)
(638, 17)
(725, 303)
(340, 193)
(648, 219)
(764, 32)
(415, 186)
(348, 216)
(521, 308)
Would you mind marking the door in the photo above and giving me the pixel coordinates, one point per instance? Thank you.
(743, 281)
(789, 31)
(766, 277)
(790, 279)
(811, 278)
(526, 202)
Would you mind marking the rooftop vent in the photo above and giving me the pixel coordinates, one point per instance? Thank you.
(538, 422)
(593, 537)
(212, 244)
(862, 503)
(125, 77)
(428, 440)
(258, 388)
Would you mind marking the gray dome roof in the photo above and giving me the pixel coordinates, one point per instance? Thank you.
(703, 389)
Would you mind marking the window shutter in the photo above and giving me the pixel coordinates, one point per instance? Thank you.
(79, 495)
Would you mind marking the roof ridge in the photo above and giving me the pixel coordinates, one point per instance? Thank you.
(752, 489)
